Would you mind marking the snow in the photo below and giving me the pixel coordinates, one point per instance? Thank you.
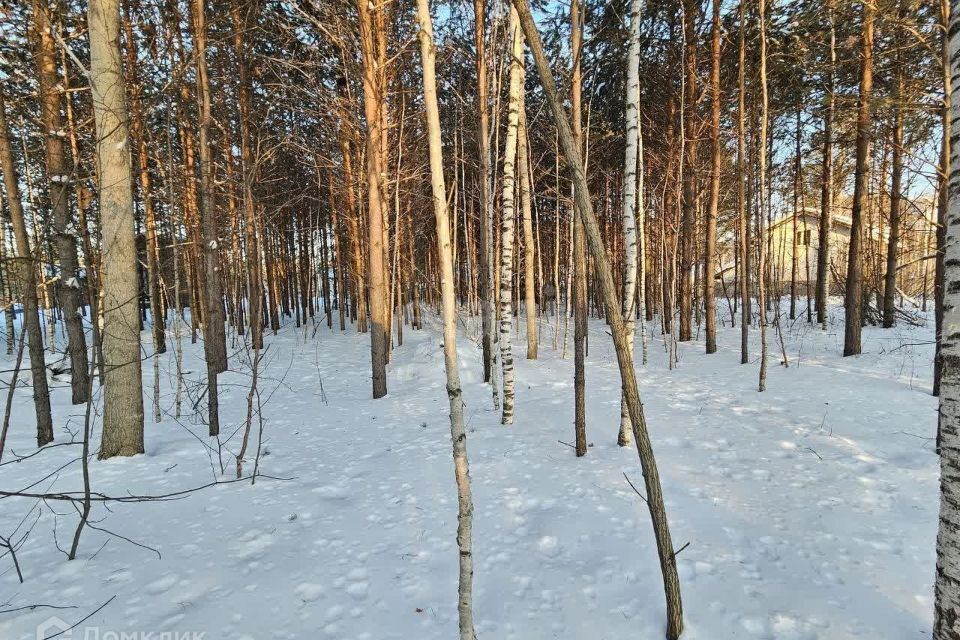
(810, 509)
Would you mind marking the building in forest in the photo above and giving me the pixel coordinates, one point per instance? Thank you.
(794, 245)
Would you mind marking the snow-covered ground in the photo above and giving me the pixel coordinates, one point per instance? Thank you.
(809, 509)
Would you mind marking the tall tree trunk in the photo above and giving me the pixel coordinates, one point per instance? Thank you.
(458, 434)
(763, 188)
(249, 171)
(122, 384)
(488, 320)
(631, 200)
(515, 104)
(743, 213)
(533, 339)
(661, 527)
(580, 264)
(370, 37)
(59, 177)
(138, 134)
(893, 233)
(946, 16)
(25, 275)
(853, 295)
(689, 188)
(826, 181)
(214, 333)
(946, 608)
(710, 232)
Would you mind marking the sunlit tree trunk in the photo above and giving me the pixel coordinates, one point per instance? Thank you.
(122, 384)
(515, 104)
(530, 296)
(631, 200)
(580, 265)
(370, 36)
(458, 432)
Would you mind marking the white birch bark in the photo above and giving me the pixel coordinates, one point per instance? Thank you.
(946, 625)
(507, 220)
(630, 201)
(457, 431)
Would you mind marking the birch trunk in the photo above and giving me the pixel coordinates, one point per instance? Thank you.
(946, 621)
(508, 212)
(630, 201)
(458, 434)
(761, 227)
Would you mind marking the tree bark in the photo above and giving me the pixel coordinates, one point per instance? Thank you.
(632, 201)
(661, 527)
(122, 384)
(853, 295)
(214, 333)
(743, 213)
(515, 104)
(893, 232)
(26, 275)
(689, 186)
(59, 177)
(458, 434)
(580, 265)
(946, 620)
(710, 232)
(529, 284)
(373, 97)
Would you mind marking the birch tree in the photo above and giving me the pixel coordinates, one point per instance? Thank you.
(458, 432)
(946, 608)
(762, 163)
(508, 212)
(630, 201)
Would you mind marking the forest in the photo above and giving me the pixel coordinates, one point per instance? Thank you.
(673, 284)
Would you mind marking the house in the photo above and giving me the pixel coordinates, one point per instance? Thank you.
(794, 247)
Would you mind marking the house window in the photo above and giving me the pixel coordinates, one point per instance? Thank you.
(803, 238)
